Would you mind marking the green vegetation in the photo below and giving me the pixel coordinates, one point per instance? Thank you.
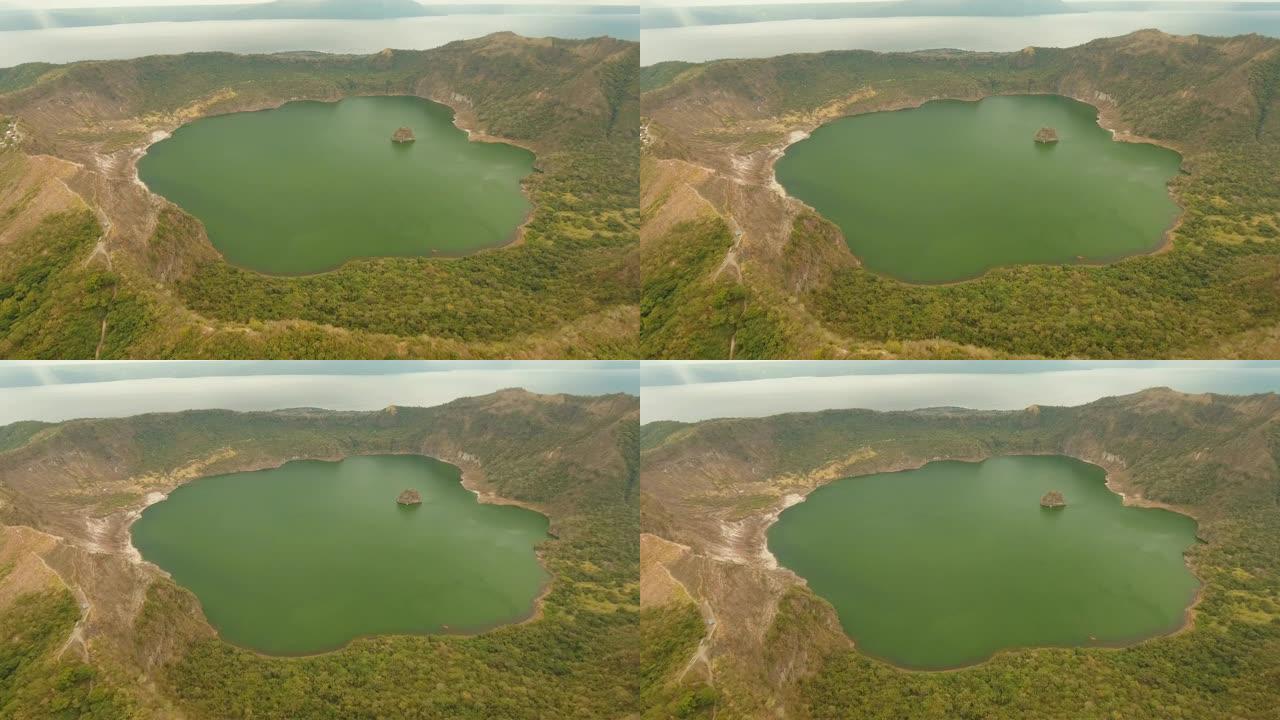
(1143, 307)
(1224, 667)
(21, 76)
(37, 680)
(574, 663)
(1215, 284)
(54, 300)
(668, 636)
(16, 435)
(690, 309)
(489, 296)
(1264, 81)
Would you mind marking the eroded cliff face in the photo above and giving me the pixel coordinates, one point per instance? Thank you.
(712, 489)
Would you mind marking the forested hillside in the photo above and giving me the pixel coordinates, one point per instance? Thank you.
(92, 631)
(711, 489)
(774, 279)
(567, 287)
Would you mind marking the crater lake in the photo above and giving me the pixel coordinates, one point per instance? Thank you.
(952, 189)
(308, 556)
(946, 565)
(305, 187)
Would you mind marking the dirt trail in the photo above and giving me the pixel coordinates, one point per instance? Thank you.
(704, 645)
(102, 337)
(76, 637)
(99, 251)
(731, 257)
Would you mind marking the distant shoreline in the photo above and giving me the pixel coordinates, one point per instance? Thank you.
(704, 43)
(65, 45)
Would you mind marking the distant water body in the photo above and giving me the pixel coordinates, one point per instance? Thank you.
(112, 42)
(716, 390)
(889, 34)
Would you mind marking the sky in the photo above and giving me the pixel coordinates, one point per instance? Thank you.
(692, 391)
(687, 391)
(695, 3)
(43, 40)
(53, 391)
(48, 4)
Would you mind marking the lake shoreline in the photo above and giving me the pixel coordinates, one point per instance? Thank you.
(771, 516)
(483, 496)
(751, 38)
(1118, 134)
(462, 118)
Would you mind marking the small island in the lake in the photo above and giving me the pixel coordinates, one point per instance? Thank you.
(413, 497)
(1047, 136)
(403, 135)
(1053, 499)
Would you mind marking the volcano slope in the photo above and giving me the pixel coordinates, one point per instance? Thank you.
(92, 264)
(729, 633)
(89, 629)
(733, 266)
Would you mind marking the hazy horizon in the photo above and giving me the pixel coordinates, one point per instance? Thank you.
(705, 31)
(110, 31)
(692, 391)
(56, 391)
(78, 4)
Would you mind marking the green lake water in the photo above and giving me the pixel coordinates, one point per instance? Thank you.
(952, 189)
(305, 187)
(946, 565)
(308, 556)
